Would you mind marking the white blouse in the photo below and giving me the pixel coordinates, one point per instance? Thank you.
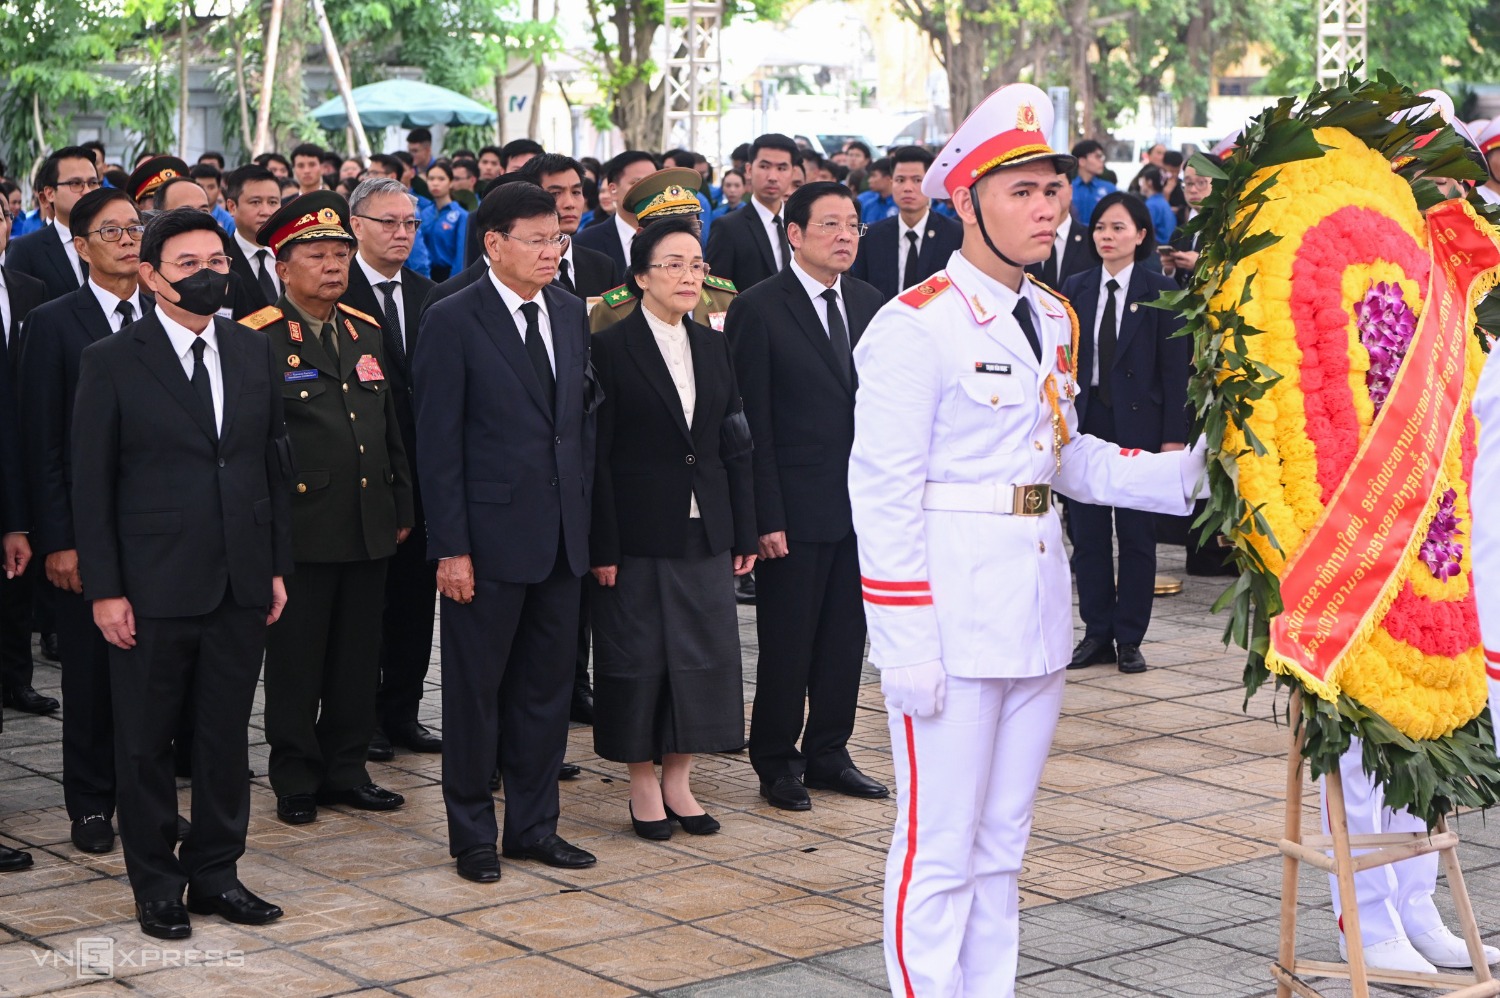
(672, 341)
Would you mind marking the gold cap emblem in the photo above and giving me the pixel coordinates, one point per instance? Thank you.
(1026, 119)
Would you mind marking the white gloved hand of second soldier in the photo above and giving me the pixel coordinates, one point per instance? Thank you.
(1194, 467)
(914, 690)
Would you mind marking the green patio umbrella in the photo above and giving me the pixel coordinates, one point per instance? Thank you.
(405, 103)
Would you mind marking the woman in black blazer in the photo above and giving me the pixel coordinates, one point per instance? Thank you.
(674, 514)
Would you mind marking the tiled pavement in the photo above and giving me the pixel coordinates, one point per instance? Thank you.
(1150, 870)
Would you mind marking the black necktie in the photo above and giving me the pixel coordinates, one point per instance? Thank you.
(393, 315)
(565, 278)
(1108, 330)
(126, 312)
(201, 385)
(267, 283)
(838, 334)
(910, 276)
(781, 241)
(1023, 318)
(328, 336)
(537, 351)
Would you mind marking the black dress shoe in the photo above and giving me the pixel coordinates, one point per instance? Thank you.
(297, 809)
(380, 749)
(163, 919)
(1092, 651)
(12, 860)
(744, 590)
(850, 782)
(93, 833)
(695, 824)
(582, 707)
(658, 831)
(567, 771)
(787, 793)
(234, 905)
(415, 737)
(554, 851)
(24, 698)
(479, 864)
(1131, 660)
(365, 798)
(495, 779)
(50, 648)
(183, 828)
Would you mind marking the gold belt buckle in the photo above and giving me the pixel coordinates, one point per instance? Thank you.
(1031, 500)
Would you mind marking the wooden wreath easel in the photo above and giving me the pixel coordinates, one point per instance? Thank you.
(1297, 848)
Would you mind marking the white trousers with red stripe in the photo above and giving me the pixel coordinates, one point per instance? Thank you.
(965, 783)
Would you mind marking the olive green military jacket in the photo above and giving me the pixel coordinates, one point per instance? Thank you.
(713, 303)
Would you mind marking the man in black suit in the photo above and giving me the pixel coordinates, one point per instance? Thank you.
(48, 253)
(181, 505)
(902, 251)
(587, 273)
(792, 338)
(751, 245)
(613, 238)
(109, 239)
(13, 543)
(252, 194)
(381, 285)
(505, 443)
(1072, 247)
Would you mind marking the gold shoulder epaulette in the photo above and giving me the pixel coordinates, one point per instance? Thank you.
(261, 319)
(722, 283)
(359, 315)
(926, 291)
(1048, 288)
(615, 297)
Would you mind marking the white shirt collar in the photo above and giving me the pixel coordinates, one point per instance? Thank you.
(375, 277)
(108, 301)
(814, 287)
(1063, 228)
(513, 301)
(64, 234)
(1122, 278)
(627, 234)
(920, 228)
(183, 338)
(250, 249)
(661, 329)
(766, 214)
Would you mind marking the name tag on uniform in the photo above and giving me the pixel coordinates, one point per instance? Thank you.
(310, 374)
(990, 367)
(368, 368)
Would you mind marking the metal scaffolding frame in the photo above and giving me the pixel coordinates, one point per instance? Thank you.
(694, 71)
(1341, 38)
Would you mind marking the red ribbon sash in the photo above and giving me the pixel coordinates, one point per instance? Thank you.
(1332, 587)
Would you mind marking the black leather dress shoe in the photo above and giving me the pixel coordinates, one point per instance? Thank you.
(416, 737)
(183, 828)
(582, 707)
(554, 851)
(1131, 660)
(1092, 651)
(163, 919)
(297, 809)
(787, 793)
(568, 771)
(50, 648)
(695, 824)
(12, 860)
(381, 749)
(744, 590)
(479, 864)
(850, 782)
(366, 798)
(24, 698)
(93, 833)
(235, 905)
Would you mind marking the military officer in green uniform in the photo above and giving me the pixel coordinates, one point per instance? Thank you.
(351, 506)
(664, 194)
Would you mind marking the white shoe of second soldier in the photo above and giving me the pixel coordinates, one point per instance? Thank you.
(1393, 954)
(1443, 949)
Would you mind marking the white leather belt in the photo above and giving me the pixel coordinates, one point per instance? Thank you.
(966, 497)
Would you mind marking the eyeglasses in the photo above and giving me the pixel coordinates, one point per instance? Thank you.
(538, 245)
(190, 267)
(675, 268)
(1197, 182)
(112, 233)
(79, 184)
(390, 225)
(834, 228)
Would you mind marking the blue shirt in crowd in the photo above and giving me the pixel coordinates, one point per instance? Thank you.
(444, 231)
(1163, 220)
(1086, 197)
(874, 208)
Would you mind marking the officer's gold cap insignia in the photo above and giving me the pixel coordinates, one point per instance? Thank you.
(673, 191)
(1026, 119)
(319, 215)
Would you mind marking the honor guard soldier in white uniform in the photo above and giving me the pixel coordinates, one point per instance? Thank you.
(964, 423)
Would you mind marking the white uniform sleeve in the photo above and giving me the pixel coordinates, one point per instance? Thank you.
(1484, 532)
(900, 384)
(1105, 474)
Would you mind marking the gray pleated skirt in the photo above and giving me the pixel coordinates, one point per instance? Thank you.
(667, 657)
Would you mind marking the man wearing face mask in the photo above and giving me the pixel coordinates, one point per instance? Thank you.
(351, 506)
(180, 505)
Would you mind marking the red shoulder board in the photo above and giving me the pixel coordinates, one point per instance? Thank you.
(926, 291)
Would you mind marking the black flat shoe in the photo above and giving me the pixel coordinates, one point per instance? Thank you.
(381, 749)
(235, 905)
(553, 851)
(184, 828)
(581, 709)
(658, 831)
(850, 782)
(297, 809)
(163, 919)
(93, 833)
(694, 824)
(24, 698)
(568, 771)
(1131, 660)
(479, 864)
(366, 798)
(1092, 651)
(416, 737)
(12, 860)
(787, 793)
(744, 590)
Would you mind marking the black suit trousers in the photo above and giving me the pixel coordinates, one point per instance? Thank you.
(88, 733)
(1112, 607)
(16, 604)
(810, 624)
(507, 680)
(214, 658)
(322, 670)
(406, 646)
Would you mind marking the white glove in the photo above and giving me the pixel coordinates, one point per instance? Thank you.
(914, 690)
(1193, 467)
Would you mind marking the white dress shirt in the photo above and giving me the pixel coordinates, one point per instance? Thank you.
(904, 246)
(108, 302)
(376, 279)
(4, 310)
(815, 289)
(69, 248)
(1123, 279)
(252, 254)
(513, 303)
(768, 220)
(672, 341)
(1060, 239)
(183, 339)
(627, 236)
